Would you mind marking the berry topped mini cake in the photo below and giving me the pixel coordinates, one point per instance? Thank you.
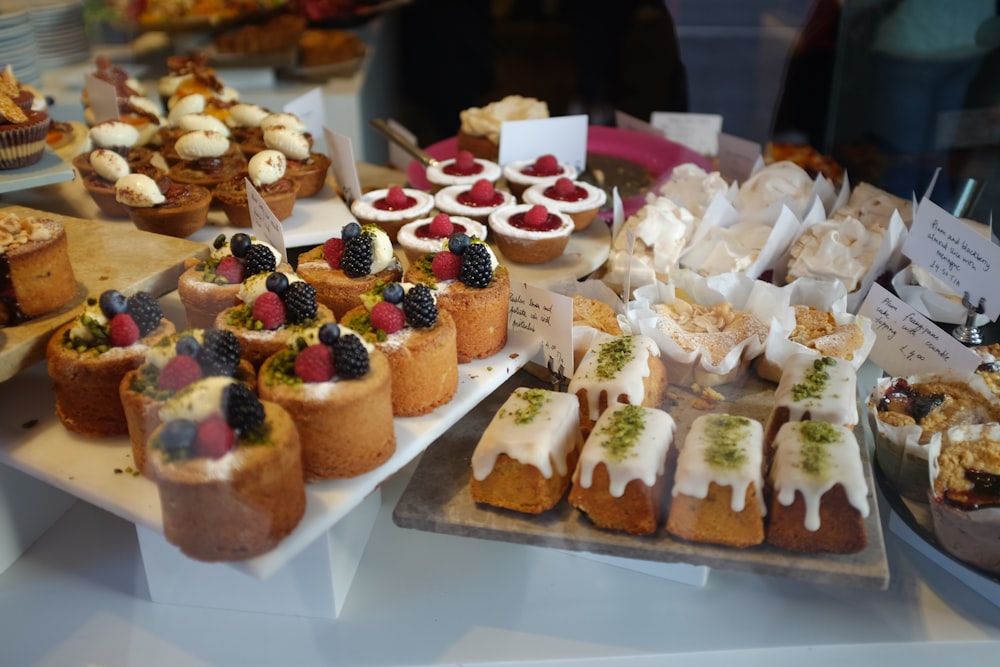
(545, 170)
(274, 308)
(530, 233)
(463, 169)
(404, 322)
(228, 468)
(336, 386)
(429, 235)
(266, 171)
(470, 284)
(476, 201)
(579, 200)
(345, 267)
(38, 278)
(89, 355)
(391, 208)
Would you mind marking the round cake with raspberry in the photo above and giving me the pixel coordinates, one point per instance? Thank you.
(463, 169)
(531, 233)
(476, 201)
(429, 235)
(403, 321)
(336, 386)
(228, 469)
(347, 266)
(391, 208)
(579, 200)
(468, 283)
(544, 170)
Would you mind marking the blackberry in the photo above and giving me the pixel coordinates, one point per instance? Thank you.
(112, 303)
(276, 282)
(393, 293)
(243, 410)
(145, 311)
(239, 244)
(300, 302)
(259, 259)
(350, 358)
(220, 353)
(419, 307)
(188, 346)
(357, 258)
(177, 438)
(477, 266)
(329, 333)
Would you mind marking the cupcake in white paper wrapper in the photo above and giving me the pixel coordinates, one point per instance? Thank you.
(810, 317)
(874, 206)
(780, 184)
(707, 344)
(692, 187)
(964, 497)
(911, 418)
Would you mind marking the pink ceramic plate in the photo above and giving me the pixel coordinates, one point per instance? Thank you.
(657, 155)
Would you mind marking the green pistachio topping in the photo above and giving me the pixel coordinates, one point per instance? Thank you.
(815, 380)
(535, 400)
(622, 431)
(726, 435)
(815, 438)
(613, 356)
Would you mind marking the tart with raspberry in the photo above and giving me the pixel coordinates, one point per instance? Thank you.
(531, 233)
(337, 387)
(403, 321)
(579, 200)
(347, 266)
(463, 169)
(476, 201)
(544, 170)
(391, 208)
(88, 357)
(429, 235)
(469, 284)
(228, 470)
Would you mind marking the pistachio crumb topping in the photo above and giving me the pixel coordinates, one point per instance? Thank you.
(814, 381)
(623, 430)
(534, 400)
(613, 356)
(726, 435)
(815, 438)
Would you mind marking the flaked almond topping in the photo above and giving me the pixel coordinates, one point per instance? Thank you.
(700, 319)
(10, 111)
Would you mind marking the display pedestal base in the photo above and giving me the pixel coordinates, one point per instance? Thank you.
(27, 508)
(682, 573)
(315, 583)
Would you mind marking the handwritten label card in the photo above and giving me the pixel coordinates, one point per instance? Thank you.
(737, 157)
(956, 254)
(308, 107)
(562, 136)
(265, 226)
(102, 98)
(547, 316)
(907, 343)
(698, 131)
(345, 170)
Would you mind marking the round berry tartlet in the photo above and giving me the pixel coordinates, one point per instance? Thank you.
(530, 233)
(336, 386)
(577, 199)
(345, 267)
(468, 283)
(228, 469)
(391, 208)
(476, 201)
(88, 357)
(522, 174)
(403, 321)
(463, 169)
(429, 235)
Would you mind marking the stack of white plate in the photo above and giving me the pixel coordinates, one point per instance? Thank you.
(18, 47)
(57, 28)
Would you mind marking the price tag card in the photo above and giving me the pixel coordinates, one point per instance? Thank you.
(308, 107)
(398, 157)
(907, 343)
(265, 226)
(956, 254)
(103, 99)
(737, 157)
(562, 136)
(345, 170)
(698, 131)
(547, 316)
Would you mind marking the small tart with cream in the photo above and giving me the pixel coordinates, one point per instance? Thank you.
(531, 234)
(476, 201)
(266, 171)
(391, 208)
(544, 170)
(463, 169)
(430, 235)
(578, 199)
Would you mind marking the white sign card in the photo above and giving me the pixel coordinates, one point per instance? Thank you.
(737, 157)
(956, 254)
(907, 343)
(562, 136)
(345, 170)
(627, 122)
(548, 317)
(398, 157)
(698, 131)
(103, 99)
(266, 226)
(308, 107)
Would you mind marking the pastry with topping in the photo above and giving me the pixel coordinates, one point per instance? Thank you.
(391, 208)
(266, 172)
(118, 137)
(109, 166)
(23, 132)
(479, 127)
(477, 201)
(580, 200)
(286, 133)
(543, 170)
(463, 169)
(430, 235)
(163, 206)
(36, 276)
(207, 158)
(530, 233)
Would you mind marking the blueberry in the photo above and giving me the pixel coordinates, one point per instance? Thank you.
(329, 333)
(393, 293)
(177, 436)
(276, 282)
(113, 302)
(239, 244)
(458, 242)
(349, 231)
(188, 346)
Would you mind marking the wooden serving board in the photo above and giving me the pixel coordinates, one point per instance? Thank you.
(104, 255)
(437, 499)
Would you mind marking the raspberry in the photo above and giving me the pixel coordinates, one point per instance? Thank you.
(387, 317)
(242, 408)
(259, 259)
(220, 353)
(214, 438)
(546, 165)
(536, 216)
(465, 161)
(357, 258)
(300, 301)
(314, 364)
(419, 307)
(481, 193)
(477, 266)
(446, 265)
(350, 357)
(564, 187)
(269, 310)
(441, 226)
(396, 199)
(122, 330)
(333, 250)
(178, 373)
(145, 311)
(230, 269)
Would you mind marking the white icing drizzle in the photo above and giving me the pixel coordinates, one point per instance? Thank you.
(695, 473)
(628, 380)
(646, 459)
(842, 466)
(547, 439)
(836, 401)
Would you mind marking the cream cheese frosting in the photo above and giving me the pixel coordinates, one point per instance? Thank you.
(201, 143)
(108, 164)
(138, 190)
(266, 167)
(113, 134)
(289, 141)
